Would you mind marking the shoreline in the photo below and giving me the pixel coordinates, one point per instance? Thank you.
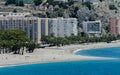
(74, 52)
(32, 63)
(54, 54)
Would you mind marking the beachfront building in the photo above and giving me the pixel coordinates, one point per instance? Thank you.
(44, 26)
(61, 27)
(30, 25)
(36, 27)
(113, 25)
(92, 28)
(118, 26)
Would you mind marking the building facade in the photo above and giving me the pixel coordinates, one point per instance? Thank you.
(61, 27)
(92, 28)
(118, 26)
(113, 25)
(44, 26)
(30, 25)
(12, 14)
(37, 27)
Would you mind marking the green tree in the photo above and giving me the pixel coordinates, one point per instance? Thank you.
(37, 2)
(101, 0)
(87, 4)
(112, 7)
(70, 2)
(20, 3)
(12, 40)
(10, 2)
(63, 5)
(14, 11)
(50, 1)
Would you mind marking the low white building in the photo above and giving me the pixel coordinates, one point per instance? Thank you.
(92, 28)
(61, 27)
(12, 14)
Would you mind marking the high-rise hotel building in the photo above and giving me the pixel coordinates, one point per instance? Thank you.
(113, 25)
(61, 27)
(37, 27)
(30, 25)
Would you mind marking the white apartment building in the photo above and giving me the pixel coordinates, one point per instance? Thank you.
(37, 27)
(30, 25)
(92, 28)
(61, 27)
(12, 14)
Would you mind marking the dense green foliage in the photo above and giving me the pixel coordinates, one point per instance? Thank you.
(20, 3)
(37, 2)
(82, 38)
(101, 0)
(10, 2)
(63, 5)
(112, 7)
(14, 40)
(87, 4)
(28, 1)
(16, 2)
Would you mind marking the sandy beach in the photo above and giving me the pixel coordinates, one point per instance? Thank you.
(54, 54)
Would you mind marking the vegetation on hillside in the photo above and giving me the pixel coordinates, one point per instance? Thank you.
(112, 7)
(37, 2)
(16, 2)
(28, 1)
(22, 2)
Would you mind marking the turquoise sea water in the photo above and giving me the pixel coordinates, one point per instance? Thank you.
(86, 67)
(113, 52)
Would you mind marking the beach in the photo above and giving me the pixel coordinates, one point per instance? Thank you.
(55, 54)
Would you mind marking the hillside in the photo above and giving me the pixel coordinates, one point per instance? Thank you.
(82, 11)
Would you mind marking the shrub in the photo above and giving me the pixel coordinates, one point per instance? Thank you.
(112, 7)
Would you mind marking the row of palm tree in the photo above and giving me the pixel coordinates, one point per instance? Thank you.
(78, 39)
(15, 41)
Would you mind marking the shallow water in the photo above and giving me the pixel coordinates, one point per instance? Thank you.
(86, 67)
(113, 52)
(92, 67)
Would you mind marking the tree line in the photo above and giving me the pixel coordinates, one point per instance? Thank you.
(15, 41)
(21, 2)
(82, 38)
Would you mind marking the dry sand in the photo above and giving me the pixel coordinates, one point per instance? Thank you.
(54, 54)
